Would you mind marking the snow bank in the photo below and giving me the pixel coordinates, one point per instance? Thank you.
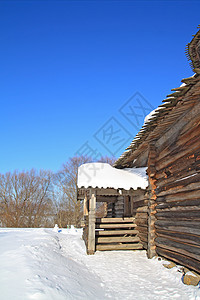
(103, 175)
(46, 265)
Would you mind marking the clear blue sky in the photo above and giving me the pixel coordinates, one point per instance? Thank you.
(67, 67)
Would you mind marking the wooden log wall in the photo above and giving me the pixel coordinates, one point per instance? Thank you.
(119, 207)
(139, 210)
(110, 210)
(116, 209)
(178, 190)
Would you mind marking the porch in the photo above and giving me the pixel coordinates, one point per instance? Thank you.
(115, 214)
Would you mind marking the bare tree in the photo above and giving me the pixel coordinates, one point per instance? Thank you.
(24, 199)
(107, 159)
(69, 210)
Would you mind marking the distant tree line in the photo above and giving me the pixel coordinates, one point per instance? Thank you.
(42, 198)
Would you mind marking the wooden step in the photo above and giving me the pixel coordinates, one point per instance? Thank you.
(118, 239)
(115, 220)
(106, 247)
(121, 225)
(116, 232)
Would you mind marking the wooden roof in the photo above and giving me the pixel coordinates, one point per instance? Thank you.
(177, 103)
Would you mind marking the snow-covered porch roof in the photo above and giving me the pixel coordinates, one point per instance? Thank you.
(102, 175)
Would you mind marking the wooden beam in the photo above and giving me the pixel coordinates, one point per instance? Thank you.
(151, 249)
(115, 220)
(91, 222)
(85, 206)
(112, 192)
(116, 232)
(118, 239)
(119, 247)
(121, 225)
(111, 199)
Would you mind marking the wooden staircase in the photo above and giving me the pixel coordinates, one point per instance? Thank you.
(116, 234)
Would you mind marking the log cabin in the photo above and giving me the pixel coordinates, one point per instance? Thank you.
(166, 213)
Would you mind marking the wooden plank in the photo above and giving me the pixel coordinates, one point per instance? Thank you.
(179, 214)
(194, 203)
(179, 236)
(115, 220)
(181, 164)
(91, 223)
(177, 196)
(169, 175)
(186, 209)
(116, 232)
(182, 152)
(121, 225)
(185, 249)
(137, 246)
(179, 180)
(111, 199)
(190, 227)
(186, 223)
(178, 189)
(118, 239)
(181, 168)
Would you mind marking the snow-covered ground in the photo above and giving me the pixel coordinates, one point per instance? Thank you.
(44, 264)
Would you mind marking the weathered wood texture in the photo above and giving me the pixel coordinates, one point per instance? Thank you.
(85, 231)
(151, 171)
(106, 247)
(139, 210)
(91, 223)
(115, 209)
(117, 234)
(177, 180)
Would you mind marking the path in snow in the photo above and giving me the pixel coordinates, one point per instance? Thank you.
(42, 264)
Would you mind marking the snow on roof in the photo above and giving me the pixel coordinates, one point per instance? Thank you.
(151, 115)
(103, 175)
